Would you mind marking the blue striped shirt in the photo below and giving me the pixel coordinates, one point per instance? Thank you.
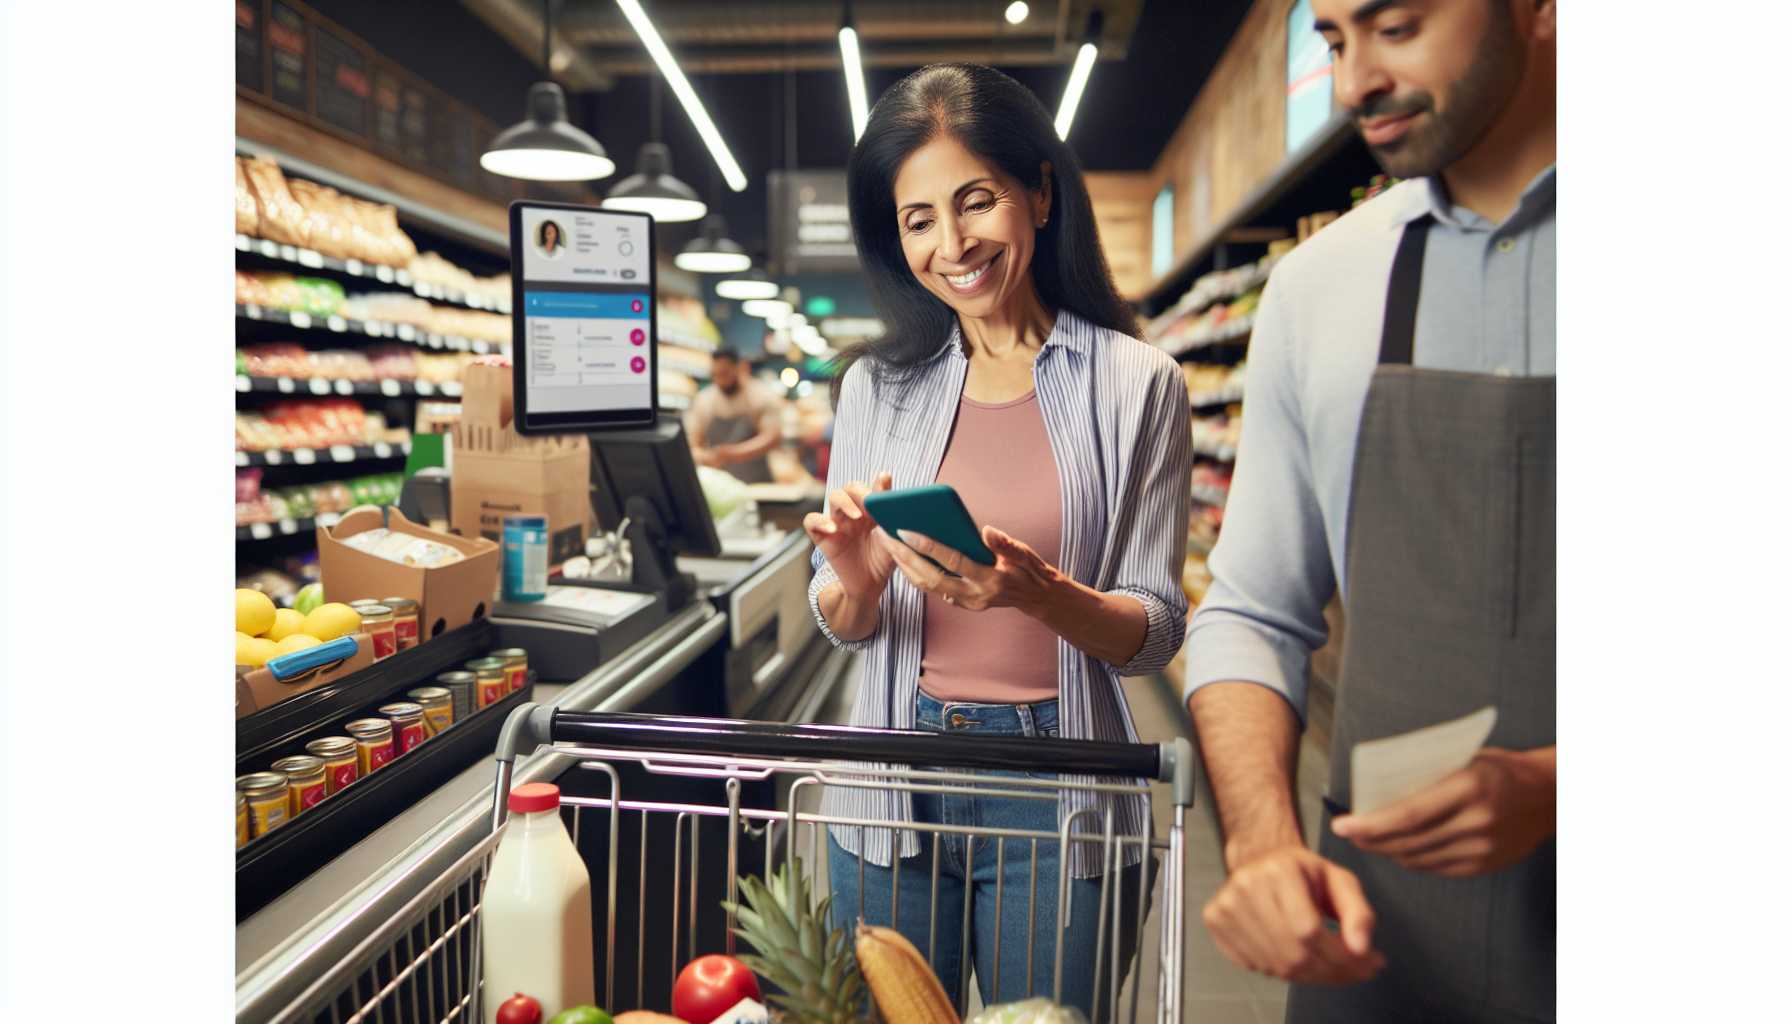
(1116, 411)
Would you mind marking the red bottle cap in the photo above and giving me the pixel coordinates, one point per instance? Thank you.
(531, 797)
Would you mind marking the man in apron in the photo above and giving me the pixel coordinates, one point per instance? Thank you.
(735, 422)
(1399, 445)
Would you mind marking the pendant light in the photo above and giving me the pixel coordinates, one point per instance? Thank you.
(652, 189)
(545, 146)
(712, 251)
(751, 285)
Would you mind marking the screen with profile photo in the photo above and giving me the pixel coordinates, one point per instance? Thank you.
(584, 317)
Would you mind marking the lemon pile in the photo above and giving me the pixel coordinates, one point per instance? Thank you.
(264, 631)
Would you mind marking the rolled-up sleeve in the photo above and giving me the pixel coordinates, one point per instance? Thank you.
(1150, 566)
(846, 459)
(1263, 616)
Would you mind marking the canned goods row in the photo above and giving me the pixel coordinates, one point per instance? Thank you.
(296, 784)
(390, 624)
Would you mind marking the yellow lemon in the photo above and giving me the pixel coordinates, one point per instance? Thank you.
(297, 642)
(254, 612)
(286, 623)
(329, 621)
(255, 651)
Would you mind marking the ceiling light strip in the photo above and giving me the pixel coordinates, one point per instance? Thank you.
(1073, 92)
(855, 80)
(681, 87)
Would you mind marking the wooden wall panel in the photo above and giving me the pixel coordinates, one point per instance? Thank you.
(1122, 202)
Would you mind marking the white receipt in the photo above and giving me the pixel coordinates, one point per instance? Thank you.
(610, 604)
(1387, 770)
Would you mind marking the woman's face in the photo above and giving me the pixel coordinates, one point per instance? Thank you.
(967, 228)
(550, 236)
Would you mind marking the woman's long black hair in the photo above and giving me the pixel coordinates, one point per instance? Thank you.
(1000, 120)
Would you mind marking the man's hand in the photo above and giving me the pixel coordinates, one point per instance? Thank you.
(707, 457)
(1270, 917)
(1488, 816)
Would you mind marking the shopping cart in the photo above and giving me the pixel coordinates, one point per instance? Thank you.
(423, 963)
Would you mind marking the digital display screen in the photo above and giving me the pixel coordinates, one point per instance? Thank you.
(585, 322)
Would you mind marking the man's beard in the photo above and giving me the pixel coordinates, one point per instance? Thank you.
(1433, 142)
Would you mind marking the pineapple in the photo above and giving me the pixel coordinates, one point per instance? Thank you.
(815, 967)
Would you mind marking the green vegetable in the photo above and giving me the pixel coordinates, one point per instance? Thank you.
(582, 1015)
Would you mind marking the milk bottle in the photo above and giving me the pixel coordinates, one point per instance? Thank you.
(537, 910)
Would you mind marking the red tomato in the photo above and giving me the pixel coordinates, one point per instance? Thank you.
(709, 985)
(519, 1009)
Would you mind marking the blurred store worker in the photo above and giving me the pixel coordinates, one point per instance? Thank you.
(1399, 443)
(736, 421)
(1012, 372)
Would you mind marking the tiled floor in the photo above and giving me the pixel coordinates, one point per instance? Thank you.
(1216, 992)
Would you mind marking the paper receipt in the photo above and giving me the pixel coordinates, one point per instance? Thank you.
(1386, 770)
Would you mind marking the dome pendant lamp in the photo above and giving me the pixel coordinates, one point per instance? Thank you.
(712, 251)
(545, 146)
(652, 189)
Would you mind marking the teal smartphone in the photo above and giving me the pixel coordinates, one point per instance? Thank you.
(935, 511)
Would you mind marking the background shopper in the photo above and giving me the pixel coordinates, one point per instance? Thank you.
(735, 421)
(1010, 372)
(1401, 384)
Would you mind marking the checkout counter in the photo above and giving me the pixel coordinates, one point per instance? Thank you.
(743, 645)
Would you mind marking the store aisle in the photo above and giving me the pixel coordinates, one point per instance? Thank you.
(1217, 992)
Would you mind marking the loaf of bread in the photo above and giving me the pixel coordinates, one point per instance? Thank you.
(280, 217)
(246, 216)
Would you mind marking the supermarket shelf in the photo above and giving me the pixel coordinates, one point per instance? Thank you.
(406, 333)
(1228, 331)
(1198, 304)
(1336, 140)
(322, 387)
(1213, 399)
(1209, 495)
(689, 341)
(286, 527)
(1222, 452)
(333, 454)
(313, 261)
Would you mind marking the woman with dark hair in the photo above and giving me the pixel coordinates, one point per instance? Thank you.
(1010, 371)
(549, 238)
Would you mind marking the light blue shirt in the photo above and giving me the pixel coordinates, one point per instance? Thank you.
(1487, 305)
(1116, 413)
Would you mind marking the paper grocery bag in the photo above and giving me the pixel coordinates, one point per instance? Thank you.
(498, 472)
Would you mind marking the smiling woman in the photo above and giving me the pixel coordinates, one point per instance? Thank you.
(1010, 372)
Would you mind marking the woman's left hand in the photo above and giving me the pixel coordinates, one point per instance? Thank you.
(1019, 579)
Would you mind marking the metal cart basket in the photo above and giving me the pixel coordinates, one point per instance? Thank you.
(423, 963)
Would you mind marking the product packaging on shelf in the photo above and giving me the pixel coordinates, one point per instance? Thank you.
(449, 595)
(498, 472)
(258, 689)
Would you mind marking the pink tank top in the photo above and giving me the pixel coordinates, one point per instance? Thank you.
(1000, 461)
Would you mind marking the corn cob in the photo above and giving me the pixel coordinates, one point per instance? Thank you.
(901, 981)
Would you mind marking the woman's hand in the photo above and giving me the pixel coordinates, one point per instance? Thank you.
(844, 534)
(1019, 579)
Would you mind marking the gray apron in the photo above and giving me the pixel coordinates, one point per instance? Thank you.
(1450, 604)
(733, 430)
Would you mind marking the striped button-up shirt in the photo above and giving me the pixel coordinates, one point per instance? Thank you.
(1116, 411)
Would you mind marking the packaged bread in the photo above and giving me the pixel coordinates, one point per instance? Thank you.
(365, 235)
(397, 242)
(246, 216)
(279, 216)
(329, 235)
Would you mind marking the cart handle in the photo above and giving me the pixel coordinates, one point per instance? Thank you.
(1165, 762)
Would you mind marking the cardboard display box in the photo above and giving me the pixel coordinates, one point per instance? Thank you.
(498, 472)
(257, 689)
(448, 596)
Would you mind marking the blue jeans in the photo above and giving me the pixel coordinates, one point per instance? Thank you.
(968, 873)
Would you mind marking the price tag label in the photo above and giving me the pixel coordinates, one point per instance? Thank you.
(252, 311)
(269, 249)
(288, 527)
(304, 457)
(425, 388)
(243, 383)
(435, 341)
(301, 320)
(451, 388)
(384, 273)
(283, 385)
(459, 344)
(289, 253)
(354, 267)
(421, 289)
(342, 453)
(273, 457)
(481, 347)
(242, 243)
(407, 333)
(337, 324)
(382, 450)
(261, 531)
(404, 277)
(310, 258)
(242, 458)
(345, 387)
(328, 519)
(390, 388)
(320, 386)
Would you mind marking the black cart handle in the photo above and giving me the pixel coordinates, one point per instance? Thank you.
(677, 734)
